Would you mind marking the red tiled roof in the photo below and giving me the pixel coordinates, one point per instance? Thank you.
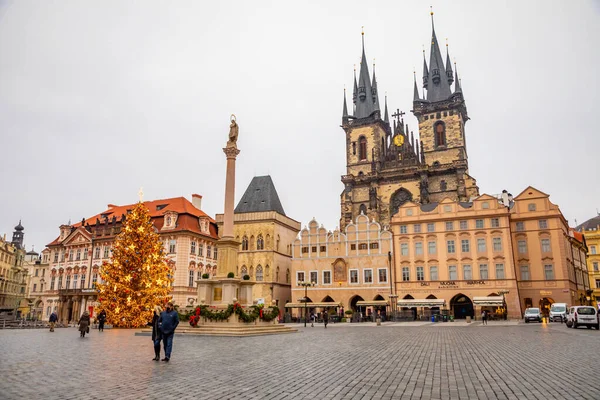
(157, 209)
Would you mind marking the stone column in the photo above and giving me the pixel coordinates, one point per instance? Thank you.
(228, 246)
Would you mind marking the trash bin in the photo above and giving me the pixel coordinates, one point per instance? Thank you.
(433, 318)
(468, 319)
(445, 318)
(452, 318)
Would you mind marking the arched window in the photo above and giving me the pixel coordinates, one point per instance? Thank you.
(245, 243)
(259, 273)
(439, 129)
(260, 243)
(244, 271)
(363, 209)
(362, 148)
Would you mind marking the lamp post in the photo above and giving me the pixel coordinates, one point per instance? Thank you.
(305, 285)
(503, 293)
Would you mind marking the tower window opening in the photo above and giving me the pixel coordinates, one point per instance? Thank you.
(362, 151)
(440, 134)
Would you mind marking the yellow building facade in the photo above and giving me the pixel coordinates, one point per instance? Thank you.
(13, 275)
(591, 231)
(350, 270)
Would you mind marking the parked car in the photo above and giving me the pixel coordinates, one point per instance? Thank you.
(558, 312)
(582, 316)
(533, 314)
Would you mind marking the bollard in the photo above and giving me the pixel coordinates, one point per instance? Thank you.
(378, 320)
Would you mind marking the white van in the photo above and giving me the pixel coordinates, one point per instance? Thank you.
(558, 312)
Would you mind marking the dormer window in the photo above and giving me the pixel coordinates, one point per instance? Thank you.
(168, 221)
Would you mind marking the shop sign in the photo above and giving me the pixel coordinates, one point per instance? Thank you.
(448, 284)
(424, 283)
(545, 293)
(475, 282)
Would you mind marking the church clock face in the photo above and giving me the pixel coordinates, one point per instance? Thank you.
(398, 140)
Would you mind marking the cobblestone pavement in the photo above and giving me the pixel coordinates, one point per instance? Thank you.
(345, 361)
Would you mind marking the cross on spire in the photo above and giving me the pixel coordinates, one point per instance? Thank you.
(398, 114)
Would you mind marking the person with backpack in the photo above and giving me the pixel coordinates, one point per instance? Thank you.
(52, 320)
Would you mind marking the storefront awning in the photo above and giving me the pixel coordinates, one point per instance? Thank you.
(311, 305)
(493, 301)
(421, 302)
(372, 303)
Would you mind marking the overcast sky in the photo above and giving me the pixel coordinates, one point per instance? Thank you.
(100, 98)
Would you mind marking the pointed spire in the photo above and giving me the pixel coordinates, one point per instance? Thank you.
(416, 91)
(374, 90)
(355, 93)
(417, 150)
(345, 110)
(457, 88)
(438, 88)
(449, 72)
(425, 71)
(365, 104)
(422, 153)
(386, 117)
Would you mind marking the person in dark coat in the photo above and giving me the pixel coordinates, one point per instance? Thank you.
(84, 323)
(156, 333)
(52, 320)
(101, 320)
(168, 321)
(325, 318)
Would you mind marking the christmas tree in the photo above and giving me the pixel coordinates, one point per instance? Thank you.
(138, 276)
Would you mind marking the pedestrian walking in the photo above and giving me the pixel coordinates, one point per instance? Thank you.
(168, 321)
(101, 320)
(484, 317)
(325, 318)
(52, 320)
(312, 320)
(156, 333)
(84, 324)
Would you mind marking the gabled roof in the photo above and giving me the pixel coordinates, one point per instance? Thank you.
(590, 224)
(535, 193)
(260, 196)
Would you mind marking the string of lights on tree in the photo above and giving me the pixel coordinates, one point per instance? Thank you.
(138, 277)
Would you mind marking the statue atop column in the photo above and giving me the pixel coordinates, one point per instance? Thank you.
(233, 132)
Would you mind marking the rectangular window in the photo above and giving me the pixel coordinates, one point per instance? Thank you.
(172, 245)
(595, 266)
(524, 272)
(201, 250)
(305, 249)
(543, 224)
(191, 278)
(520, 226)
(75, 281)
(82, 281)
(451, 247)
(62, 256)
(353, 276)
(593, 249)
(94, 280)
(208, 251)
(59, 282)
(404, 249)
(495, 223)
(323, 249)
(374, 246)
(314, 248)
(522, 246)
(68, 282)
(403, 229)
(97, 252)
(78, 256)
(361, 246)
(531, 207)
(467, 273)
(417, 228)
(433, 273)
(85, 253)
(597, 284)
(449, 226)
(368, 276)
(382, 272)
(215, 251)
(431, 227)
(465, 245)
(405, 273)
(497, 243)
(545, 245)
(419, 248)
(314, 277)
(548, 272)
(499, 271)
(479, 223)
(481, 248)
(35, 287)
(106, 249)
(452, 274)
(464, 225)
(193, 247)
(37, 271)
(70, 255)
(327, 277)
(52, 281)
(420, 273)
(431, 248)
(55, 257)
(299, 277)
(483, 271)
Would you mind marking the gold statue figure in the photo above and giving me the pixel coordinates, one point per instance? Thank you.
(233, 132)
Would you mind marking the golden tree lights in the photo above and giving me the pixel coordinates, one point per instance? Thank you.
(138, 276)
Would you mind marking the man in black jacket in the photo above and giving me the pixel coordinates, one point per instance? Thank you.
(169, 319)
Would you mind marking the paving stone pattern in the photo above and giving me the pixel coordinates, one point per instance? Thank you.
(346, 361)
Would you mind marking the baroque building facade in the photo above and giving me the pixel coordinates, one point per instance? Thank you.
(591, 231)
(265, 234)
(386, 166)
(13, 275)
(350, 270)
(76, 255)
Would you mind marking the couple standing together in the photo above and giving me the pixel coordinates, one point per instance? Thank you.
(163, 328)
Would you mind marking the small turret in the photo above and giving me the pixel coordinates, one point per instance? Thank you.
(425, 71)
(345, 110)
(449, 72)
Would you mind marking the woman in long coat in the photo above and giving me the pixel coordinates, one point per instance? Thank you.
(156, 333)
(84, 323)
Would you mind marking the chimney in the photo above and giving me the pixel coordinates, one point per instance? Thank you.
(197, 201)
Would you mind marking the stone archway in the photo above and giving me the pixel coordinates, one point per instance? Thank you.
(462, 306)
(399, 197)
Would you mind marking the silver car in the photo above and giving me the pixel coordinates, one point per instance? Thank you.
(533, 314)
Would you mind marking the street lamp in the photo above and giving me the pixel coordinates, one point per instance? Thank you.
(504, 292)
(305, 284)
